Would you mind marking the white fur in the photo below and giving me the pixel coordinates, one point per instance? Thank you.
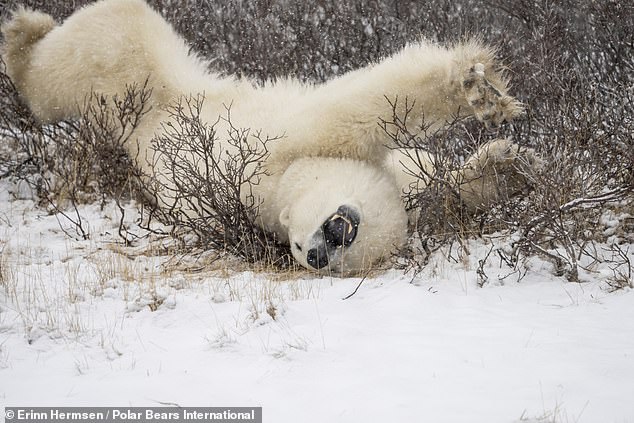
(333, 150)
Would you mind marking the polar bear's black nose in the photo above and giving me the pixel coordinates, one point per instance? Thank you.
(317, 257)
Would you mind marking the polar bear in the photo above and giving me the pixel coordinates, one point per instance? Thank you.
(330, 190)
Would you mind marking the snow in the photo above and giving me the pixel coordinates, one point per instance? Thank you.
(93, 323)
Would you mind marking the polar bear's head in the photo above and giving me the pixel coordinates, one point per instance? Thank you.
(340, 216)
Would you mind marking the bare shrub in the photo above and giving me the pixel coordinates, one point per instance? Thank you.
(586, 172)
(3, 269)
(432, 202)
(85, 160)
(210, 193)
(581, 108)
(572, 64)
(573, 70)
(622, 269)
(74, 162)
(22, 151)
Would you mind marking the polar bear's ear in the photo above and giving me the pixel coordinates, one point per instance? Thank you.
(285, 216)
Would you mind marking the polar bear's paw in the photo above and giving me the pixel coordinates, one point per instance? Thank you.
(502, 153)
(490, 103)
(498, 170)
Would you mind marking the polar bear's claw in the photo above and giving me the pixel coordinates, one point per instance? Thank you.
(490, 104)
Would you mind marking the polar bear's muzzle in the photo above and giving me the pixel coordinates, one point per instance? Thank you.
(336, 233)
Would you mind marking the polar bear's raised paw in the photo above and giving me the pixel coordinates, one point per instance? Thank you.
(491, 104)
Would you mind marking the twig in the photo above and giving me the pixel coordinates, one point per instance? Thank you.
(356, 289)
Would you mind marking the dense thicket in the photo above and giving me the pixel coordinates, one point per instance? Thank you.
(571, 63)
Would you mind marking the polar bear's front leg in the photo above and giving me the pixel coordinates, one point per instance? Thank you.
(342, 117)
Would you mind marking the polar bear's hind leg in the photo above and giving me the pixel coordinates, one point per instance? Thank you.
(498, 170)
(21, 33)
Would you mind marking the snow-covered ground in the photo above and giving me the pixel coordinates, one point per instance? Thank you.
(91, 323)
